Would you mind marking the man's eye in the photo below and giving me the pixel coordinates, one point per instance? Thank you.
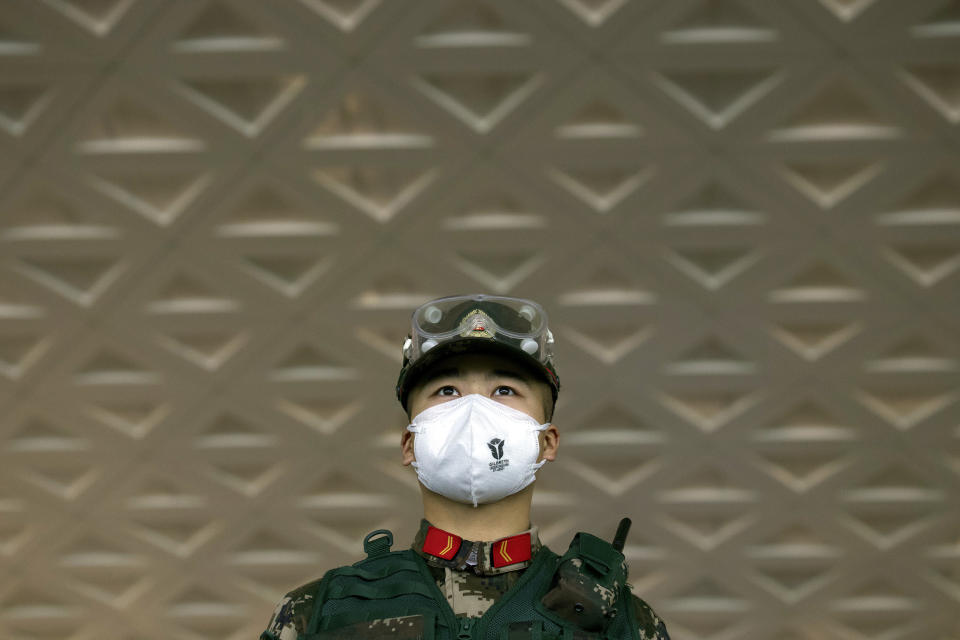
(504, 390)
(447, 390)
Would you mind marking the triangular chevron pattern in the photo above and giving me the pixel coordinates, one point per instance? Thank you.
(743, 216)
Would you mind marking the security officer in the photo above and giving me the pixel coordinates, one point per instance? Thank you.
(479, 386)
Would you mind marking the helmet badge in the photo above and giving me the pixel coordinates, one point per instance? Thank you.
(477, 324)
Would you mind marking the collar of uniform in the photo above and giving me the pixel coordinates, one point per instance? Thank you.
(443, 549)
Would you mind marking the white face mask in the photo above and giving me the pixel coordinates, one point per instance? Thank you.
(475, 450)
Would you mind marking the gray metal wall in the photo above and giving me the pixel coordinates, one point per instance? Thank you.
(744, 217)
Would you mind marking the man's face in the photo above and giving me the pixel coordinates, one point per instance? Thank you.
(492, 376)
(495, 377)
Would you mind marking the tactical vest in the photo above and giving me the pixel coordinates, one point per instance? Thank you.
(392, 594)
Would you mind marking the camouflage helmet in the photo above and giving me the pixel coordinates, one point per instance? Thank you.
(513, 327)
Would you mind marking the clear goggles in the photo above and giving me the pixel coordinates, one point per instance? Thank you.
(515, 322)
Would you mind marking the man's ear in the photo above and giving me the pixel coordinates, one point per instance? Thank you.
(550, 443)
(406, 448)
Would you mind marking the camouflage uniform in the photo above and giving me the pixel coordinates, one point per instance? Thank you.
(293, 612)
(470, 583)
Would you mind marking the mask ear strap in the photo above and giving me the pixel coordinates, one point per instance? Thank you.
(536, 465)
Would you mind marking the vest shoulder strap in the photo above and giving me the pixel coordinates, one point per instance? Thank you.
(389, 584)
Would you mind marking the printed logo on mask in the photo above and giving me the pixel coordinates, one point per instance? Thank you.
(496, 450)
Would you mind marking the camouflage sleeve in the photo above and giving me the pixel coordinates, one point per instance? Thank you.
(292, 614)
(650, 626)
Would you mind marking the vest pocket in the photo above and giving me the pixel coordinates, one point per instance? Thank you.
(412, 627)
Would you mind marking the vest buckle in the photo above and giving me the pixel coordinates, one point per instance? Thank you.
(377, 543)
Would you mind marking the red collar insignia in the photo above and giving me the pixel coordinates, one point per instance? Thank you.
(441, 544)
(506, 554)
(507, 551)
